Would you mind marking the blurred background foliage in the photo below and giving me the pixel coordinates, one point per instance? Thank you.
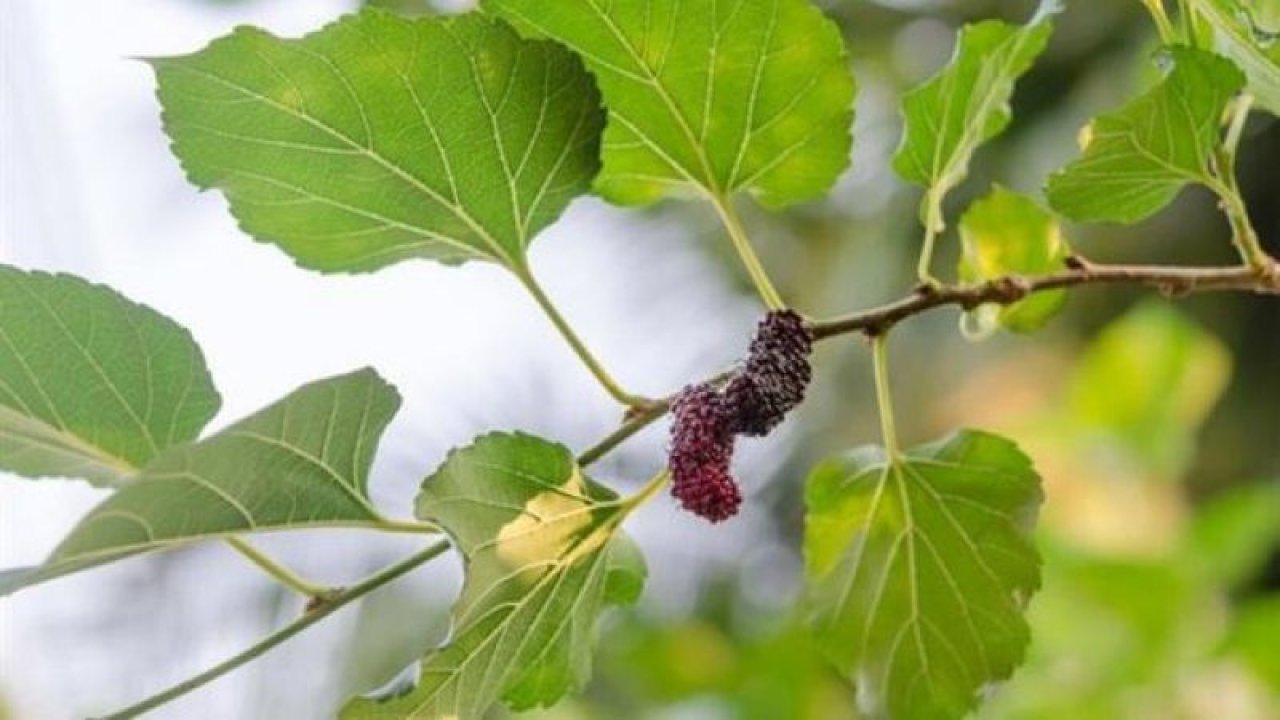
(1155, 424)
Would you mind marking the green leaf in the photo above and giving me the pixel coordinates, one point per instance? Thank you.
(1110, 632)
(1254, 637)
(380, 138)
(1137, 159)
(1240, 37)
(966, 104)
(14, 579)
(92, 385)
(708, 97)
(919, 569)
(1233, 535)
(543, 557)
(1266, 15)
(1149, 380)
(1006, 233)
(302, 462)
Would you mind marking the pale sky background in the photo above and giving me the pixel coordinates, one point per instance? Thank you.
(87, 185)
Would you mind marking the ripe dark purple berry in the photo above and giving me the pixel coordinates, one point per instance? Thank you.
(774, 377)
(701, 454)
(771, 381)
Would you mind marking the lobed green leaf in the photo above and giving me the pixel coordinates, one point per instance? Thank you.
(301, 462)
(92, 385)
(381, 138)
(717, 98)
(1137, 159)
(919, 569)
(543, 557)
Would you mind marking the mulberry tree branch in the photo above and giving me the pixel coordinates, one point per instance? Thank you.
(1170, 281)
(318, 610)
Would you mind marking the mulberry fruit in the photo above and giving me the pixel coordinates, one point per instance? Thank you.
(774, 377)
(764, 389)
(701, 453)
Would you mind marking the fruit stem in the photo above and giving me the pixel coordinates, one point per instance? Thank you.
(606, 380)
(760, 278)
(884, 397)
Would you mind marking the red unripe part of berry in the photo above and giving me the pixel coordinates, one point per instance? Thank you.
(701, 454)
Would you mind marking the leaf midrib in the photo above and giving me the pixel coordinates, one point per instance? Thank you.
(96, 557)
(73, 444)
(896, 473)
(560, 569)
(971, 134)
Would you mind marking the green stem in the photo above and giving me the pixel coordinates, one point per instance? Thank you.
(759, 278)
(1235, 126)
(1227, 188)
(933, 227)
(606, 381)
(1187, 19)
(319, 612)
(278, 572)
(647, 492)
(884, 396)
(1167, 34)
(1243, 235)
(410, 527)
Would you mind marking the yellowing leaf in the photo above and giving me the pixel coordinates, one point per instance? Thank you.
(1006, 233)
(543, 557)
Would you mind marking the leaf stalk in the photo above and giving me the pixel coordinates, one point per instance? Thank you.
(579, 348)
(646, 493)
(933, 227)
(1168, 35)
(278, 572)
(314, 615)
(741, 243)
(884, 395)
(1227, 188)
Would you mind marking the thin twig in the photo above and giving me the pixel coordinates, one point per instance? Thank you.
(1169, 281)
(314, 614)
